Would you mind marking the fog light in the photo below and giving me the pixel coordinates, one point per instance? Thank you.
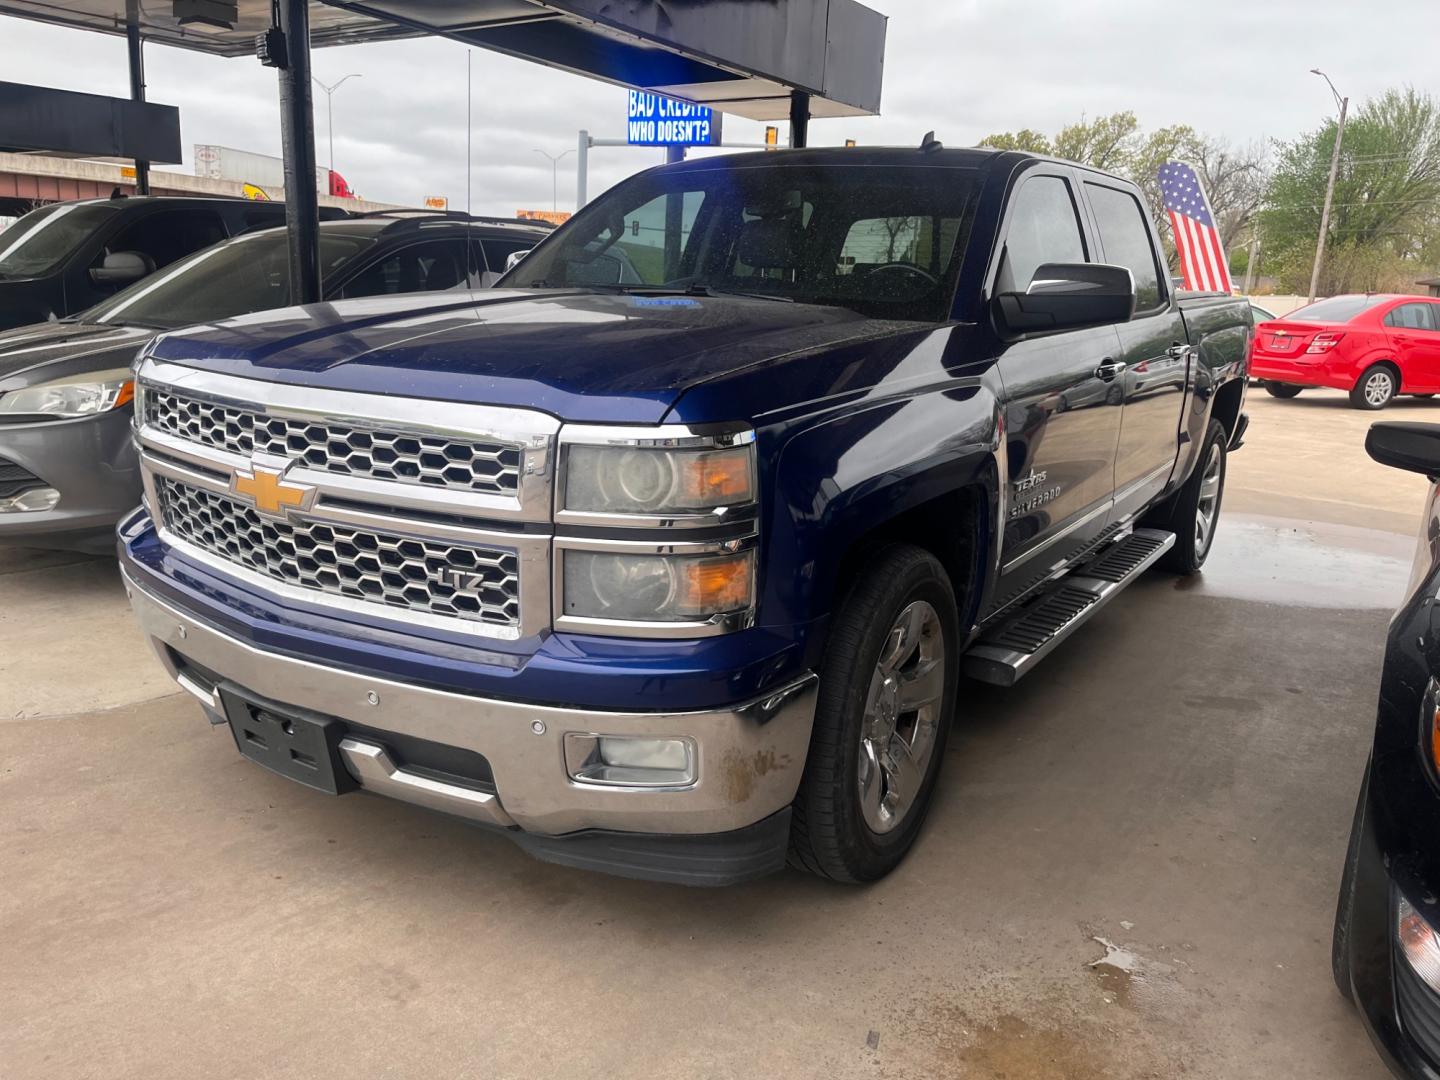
(29, 502)
(630, 761)
(1419, 942)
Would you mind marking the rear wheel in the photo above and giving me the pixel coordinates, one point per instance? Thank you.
(887, 693)
(1282, 390)
(1196, 510)
(1376, 388)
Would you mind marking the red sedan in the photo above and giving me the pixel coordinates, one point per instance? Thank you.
(1372, 346)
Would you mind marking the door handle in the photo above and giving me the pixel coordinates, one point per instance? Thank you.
(1109, 369)
(1178, 351)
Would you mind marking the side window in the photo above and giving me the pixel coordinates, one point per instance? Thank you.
(261, 219)
(1044, 228)
(429, 266)
(1413, 317)
(655, 238)
(1125, 236)
(167, 235)
(498, 251)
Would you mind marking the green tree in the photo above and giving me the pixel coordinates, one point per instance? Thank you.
(1385, 220)
(1029, 141)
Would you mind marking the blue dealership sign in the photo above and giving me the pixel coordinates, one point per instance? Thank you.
(660, 121)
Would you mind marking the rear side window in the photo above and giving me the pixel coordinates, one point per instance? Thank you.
(1414, 317)
(167, 235)
(1125, 236)
(426, 267)
(497, 251)
(1044, 228)
(1336, 309)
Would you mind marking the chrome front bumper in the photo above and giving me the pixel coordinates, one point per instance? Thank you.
(749, 763)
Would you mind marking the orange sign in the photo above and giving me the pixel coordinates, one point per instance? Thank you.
(554, 217)
(436, 202)
(127, 172)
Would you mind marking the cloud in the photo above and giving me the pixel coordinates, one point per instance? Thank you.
(963, 67)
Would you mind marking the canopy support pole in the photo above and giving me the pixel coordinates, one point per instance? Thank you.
(135, 47)
(799, 118)
(297, 137)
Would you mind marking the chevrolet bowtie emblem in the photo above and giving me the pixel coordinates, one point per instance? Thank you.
(270, 494)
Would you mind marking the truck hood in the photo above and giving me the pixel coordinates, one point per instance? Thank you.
(586, 356)
(53, 350)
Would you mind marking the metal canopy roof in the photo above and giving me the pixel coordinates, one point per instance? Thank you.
(739, 56)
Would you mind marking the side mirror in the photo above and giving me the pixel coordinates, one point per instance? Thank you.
(513, 259)
(1412, 447)
(121, 268)
(1069, 296)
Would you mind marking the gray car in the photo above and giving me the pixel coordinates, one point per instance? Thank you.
(67, 467)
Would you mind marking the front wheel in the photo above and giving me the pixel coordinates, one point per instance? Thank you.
(887, 693)
(1376, 388)
(1282, 390)
(1196, 510)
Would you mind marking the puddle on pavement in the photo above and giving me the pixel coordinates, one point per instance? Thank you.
(1304, 564)
(1006, 1047)
(1135, 982)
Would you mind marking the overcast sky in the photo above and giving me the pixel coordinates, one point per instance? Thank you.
(1235, 68)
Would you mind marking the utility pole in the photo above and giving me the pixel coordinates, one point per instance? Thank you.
(330, 113)
(554, 172)
(1252, 262)
(136, 50)
(1344, 103)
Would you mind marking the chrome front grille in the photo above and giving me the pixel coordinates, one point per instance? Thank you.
(461, 581)
(404, 457)
(406, 511)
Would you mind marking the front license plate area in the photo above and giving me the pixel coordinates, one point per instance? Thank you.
(299, 745)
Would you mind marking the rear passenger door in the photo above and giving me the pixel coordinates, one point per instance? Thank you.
(1153, 349)
(1414, 331)
(1062, 411)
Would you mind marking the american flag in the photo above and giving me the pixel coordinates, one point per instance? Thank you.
(1202, 256)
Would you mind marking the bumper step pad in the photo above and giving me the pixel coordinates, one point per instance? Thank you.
(1007, 652)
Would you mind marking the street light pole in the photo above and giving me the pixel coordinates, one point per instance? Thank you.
(1344, 103)
(554, 174)
(330, 111)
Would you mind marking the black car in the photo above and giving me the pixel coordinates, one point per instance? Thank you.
(67, 466)
(1386, 946)
(66, 257)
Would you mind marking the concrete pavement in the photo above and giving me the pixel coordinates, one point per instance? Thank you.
(1169, 793)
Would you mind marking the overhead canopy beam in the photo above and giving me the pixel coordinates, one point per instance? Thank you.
(739, 56)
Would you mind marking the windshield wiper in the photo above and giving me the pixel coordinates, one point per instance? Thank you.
(689, 290)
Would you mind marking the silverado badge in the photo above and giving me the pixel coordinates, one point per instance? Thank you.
(1029, 496)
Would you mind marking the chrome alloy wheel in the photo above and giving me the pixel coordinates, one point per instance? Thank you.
(902, 717)
(1209, 500)
(1379, 388)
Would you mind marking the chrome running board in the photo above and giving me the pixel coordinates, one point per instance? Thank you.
(1004, 654)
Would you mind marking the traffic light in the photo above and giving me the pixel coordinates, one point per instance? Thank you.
(849, 142)
(772, 138)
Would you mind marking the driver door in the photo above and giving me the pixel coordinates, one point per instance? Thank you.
(1063, 398)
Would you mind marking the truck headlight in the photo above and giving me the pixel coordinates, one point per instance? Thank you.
(65, 398)
(657, 588)
(654, 480)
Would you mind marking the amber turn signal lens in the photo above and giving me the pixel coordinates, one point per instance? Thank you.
(1435, 739)
(126, 395)
(716, 584)
(717, 478)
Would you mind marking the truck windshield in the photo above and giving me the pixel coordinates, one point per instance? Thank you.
(43, 239)
(249, 273)
(883, 240)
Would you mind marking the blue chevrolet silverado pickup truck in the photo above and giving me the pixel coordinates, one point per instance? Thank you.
(667, 556)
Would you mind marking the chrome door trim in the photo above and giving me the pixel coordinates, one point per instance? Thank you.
(1050, 541)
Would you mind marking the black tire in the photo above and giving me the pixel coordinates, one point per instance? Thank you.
(1376, 387)
(1282, 390)
(1191, 549)
(829, 833)
(1345, 905)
